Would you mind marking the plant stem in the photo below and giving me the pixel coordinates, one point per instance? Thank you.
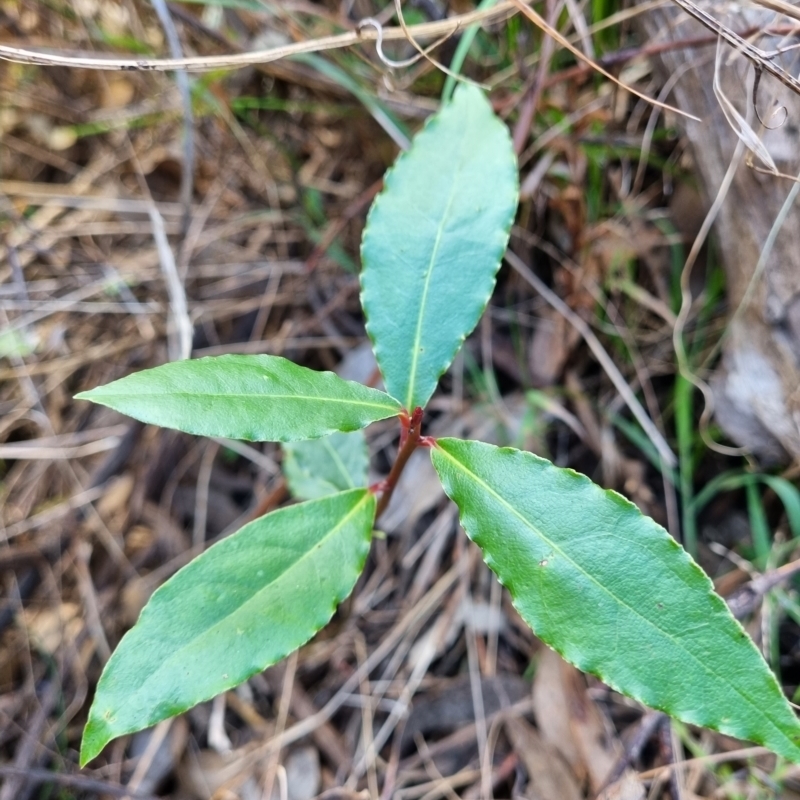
(685, 431)
(410, 439)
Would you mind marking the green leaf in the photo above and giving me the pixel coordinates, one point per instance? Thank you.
(326, 466)
(612, 592)
(433, 243)
(244, 604)
(258, 398)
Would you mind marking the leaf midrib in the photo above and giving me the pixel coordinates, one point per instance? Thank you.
(614, 597)
(241, 396)
(338, 463)
(412, 372)
(333, 531)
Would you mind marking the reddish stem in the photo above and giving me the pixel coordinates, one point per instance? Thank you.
(410, 438)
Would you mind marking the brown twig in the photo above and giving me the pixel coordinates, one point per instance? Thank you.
(648, 725)
(667, 744)
(28, 750)
(580, 325)
(80, 782)
(523, 127)
(746, 598)
(617, 57)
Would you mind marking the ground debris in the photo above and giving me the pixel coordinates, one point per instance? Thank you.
(427, 683)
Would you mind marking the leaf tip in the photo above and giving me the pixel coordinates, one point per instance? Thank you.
(96, 736)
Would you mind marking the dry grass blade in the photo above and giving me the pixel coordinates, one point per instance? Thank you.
(182, 328)
(417, 688)
(423, 52)
(740, 126)
(760, 59)
(781, 7)
(391, 62)
(182, 80)
(79, 782)
(551, 31)
(716, 758)
(423, 609)
(655, 436)
(426, 30)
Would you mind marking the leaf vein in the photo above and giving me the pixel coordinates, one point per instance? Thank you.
(253, 396)
(338, 463)
(412, 375)
(177, 654)
(607, 591)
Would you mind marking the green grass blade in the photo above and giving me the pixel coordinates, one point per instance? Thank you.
(759, 526)
(790, 497)
(462, 49)
(257, 398)
(684, 426)
(633, 432)
(244, 604)
(726, 481)
(433, 243)
(325, 466)
(380, 113)
(735, 479)
(612, 592)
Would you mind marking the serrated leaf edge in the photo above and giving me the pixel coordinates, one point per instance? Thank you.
(290, 457)
(324, 618)
(391, 405)
(575, 659)
(429, 125)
